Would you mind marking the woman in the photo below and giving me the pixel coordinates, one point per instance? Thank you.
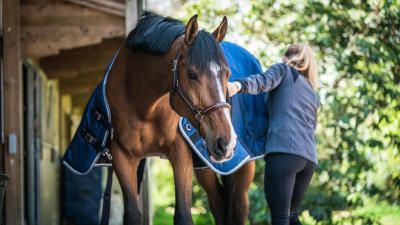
(292, 113)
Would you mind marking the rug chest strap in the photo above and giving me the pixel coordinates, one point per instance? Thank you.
(105, 214)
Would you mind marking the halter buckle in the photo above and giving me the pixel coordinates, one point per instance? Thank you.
(174, 64)
(199, 116)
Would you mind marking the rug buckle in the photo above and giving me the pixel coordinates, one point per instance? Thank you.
(88, 137)
(98, 116)
(107, 154)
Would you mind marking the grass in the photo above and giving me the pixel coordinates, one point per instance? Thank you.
(385, 213)
(164, 216)
(388, 214)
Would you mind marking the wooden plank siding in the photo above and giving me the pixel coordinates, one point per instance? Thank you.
(48, 27)
(76, 62)
(12, 110)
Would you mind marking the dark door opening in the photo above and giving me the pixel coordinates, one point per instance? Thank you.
(32, 134)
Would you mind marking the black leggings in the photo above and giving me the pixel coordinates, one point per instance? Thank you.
(286, 180)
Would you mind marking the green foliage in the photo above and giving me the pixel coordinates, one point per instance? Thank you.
(163, 195)
(390, 214)
(163, 189)
(357, 44)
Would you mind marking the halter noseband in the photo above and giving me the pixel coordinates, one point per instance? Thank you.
(197, 112)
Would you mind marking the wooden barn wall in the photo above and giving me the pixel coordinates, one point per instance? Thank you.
(60, 115)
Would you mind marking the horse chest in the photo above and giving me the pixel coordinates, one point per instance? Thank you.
(143, 137)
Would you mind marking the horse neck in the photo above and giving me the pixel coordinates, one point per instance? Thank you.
(143, 80)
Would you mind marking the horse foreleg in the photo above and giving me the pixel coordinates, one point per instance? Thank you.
(209, 181)
(125, 169)
(182, 165)
(236, 188)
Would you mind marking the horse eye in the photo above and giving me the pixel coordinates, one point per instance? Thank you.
(192, 75)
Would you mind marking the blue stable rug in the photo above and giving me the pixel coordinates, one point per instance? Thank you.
(94, 131)
(249, 118)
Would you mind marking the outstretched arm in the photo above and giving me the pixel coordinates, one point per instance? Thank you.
(259, 83)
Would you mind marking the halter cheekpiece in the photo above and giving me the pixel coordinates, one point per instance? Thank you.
(198, 113)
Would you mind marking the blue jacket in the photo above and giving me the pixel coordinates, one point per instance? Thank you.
(291, 110)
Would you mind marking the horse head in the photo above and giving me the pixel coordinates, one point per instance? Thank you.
(201, 74)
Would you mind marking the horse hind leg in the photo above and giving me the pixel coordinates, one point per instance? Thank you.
(236, 188)
(215, 193)
(126, 171)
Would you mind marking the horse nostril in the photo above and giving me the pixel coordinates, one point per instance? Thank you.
(220, 147)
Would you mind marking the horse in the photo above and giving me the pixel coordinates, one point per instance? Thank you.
(164, 71)
(228, 200)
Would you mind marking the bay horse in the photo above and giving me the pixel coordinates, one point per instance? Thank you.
(166, 70)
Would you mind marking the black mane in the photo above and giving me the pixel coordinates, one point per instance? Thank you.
(154, 34)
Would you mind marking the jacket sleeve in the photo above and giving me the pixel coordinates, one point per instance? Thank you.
(263, 82)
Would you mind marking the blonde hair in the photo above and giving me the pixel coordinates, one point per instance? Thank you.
(301, 57)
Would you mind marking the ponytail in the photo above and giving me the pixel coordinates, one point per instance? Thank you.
(301, 57)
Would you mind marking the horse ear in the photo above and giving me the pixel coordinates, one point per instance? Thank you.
(191, 30)
(220, 32)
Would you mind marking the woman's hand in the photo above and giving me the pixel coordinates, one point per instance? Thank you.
(233, 88)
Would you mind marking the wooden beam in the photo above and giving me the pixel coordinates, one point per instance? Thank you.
(84, 83)
(2, 138)
(71, 63)
(48, 27)
(85, 88)
(12, 111)
(112, 7)
(78, 89)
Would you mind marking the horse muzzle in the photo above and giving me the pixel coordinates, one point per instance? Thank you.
(222, 151)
